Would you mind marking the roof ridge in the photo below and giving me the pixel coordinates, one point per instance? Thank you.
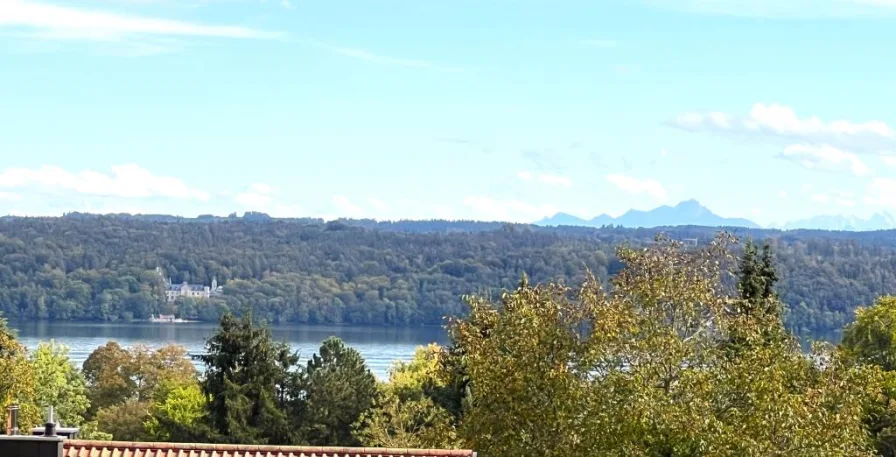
(397, 452)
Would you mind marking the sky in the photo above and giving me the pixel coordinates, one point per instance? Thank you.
(458, 109)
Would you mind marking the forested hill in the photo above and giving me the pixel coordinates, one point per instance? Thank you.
(363, 272)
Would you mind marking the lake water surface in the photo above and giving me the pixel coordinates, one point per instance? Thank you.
(379, 346)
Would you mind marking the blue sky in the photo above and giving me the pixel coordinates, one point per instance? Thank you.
(485, 109)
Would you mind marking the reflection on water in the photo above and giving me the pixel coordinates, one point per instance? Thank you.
(379, 346)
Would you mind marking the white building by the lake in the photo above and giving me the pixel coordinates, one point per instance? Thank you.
(196, 291)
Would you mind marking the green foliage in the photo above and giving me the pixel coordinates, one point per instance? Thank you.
(251, 381)
(17, 383)
(404, 416)
(644, 369)
(116, 375)
(59, 384)
(871, 340)
(90, 431)
(362, 272)
(125, 421)
(338, 388)
(177, 415)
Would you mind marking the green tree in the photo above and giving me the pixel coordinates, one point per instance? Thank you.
(125, 421)
(59, 384)
(871, 340)
(108, 372)
(250, 380)
(643, 369)
(17, 383)
(116, 375)
(177, 415)
(757, 276)
(338, 388)
(403, 415)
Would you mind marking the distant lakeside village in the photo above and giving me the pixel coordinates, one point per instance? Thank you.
(185, 290)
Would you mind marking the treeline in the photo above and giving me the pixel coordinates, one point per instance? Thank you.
(683, 354)
(83, 267)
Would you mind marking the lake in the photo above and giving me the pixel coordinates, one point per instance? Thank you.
(379, 346)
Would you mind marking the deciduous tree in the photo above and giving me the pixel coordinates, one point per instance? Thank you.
(643, 369)
(17, 385)
(403, 415)
(59, 384)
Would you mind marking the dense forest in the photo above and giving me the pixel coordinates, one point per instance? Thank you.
(547, 369)
(82, 267)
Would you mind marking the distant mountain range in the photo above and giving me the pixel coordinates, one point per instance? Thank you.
(688, 212)
(879, 221)
(691, 212)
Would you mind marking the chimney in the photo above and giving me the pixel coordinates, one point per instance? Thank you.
(50, 426)
(15, 445)
(51, 429)
(12, 420)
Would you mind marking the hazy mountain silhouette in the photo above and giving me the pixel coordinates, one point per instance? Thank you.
(688, 212)
(879, 221)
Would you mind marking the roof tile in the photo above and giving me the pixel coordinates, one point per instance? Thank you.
(85, 448)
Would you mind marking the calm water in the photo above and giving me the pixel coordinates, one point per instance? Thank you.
(379, 346)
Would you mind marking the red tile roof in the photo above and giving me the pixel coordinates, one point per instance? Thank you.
(83, 448)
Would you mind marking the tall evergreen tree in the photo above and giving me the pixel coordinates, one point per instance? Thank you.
(768, 271)
(757, 277)
(339, 388)
(250, 379)
(750, 283)
(758, 304)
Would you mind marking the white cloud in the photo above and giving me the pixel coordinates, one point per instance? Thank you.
(347, 208)
(845, 202)
(10, 197)
(253, 200)
(663, 152)
(126, 181)
(61, 22)
(263, 198)
(371, 57)
(888, 158)
(486, 208)
(839, 198)
(262, 188)
(780, 124)
(782, 194)
(789, 9)
(378, 205)
(554, 180)
(820, 198)
(825, 157)
(639, 186)
(545, 178)
(881, 191)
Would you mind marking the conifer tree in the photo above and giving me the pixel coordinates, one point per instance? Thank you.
(338, 389)
(250, 379)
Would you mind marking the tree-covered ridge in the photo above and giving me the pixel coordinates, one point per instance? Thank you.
(682, 353)
(364, 272)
